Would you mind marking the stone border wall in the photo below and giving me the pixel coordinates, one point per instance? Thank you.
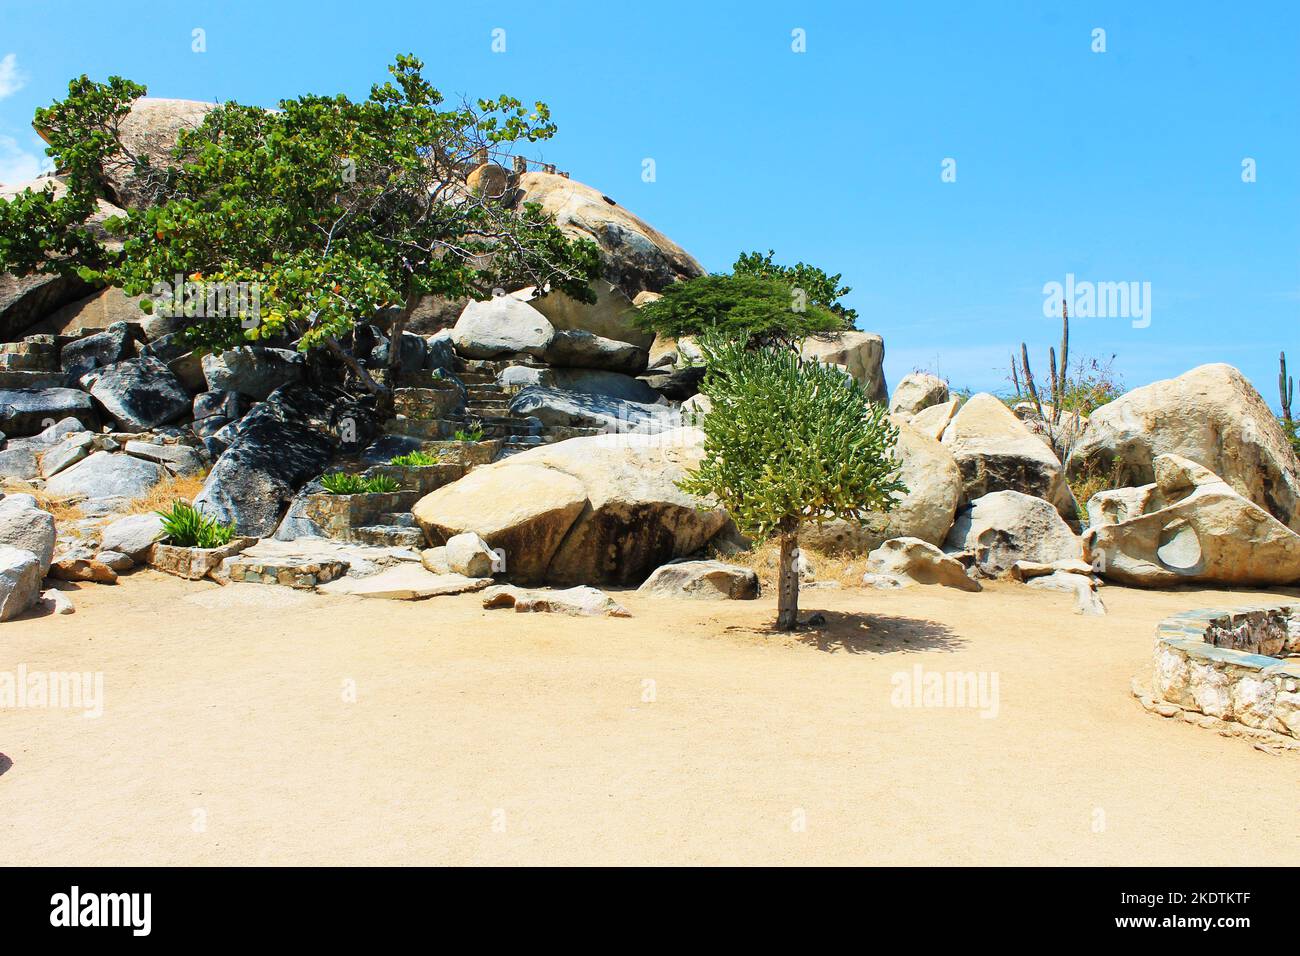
(1218, 662)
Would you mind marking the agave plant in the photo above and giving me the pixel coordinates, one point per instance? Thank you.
(187, 527)
(415, 459)
(342, 483)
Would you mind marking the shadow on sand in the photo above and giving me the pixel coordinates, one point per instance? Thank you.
(870, 634)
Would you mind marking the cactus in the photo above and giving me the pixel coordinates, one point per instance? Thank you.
(1285, 388)
(1057, 374)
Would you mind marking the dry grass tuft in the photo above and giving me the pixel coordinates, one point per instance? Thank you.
(160, 496)
(63, 509)
(846, 569)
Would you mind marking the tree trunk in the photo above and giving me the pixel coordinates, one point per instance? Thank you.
(787, 580)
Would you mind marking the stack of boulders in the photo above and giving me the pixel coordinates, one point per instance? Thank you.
(590, 422)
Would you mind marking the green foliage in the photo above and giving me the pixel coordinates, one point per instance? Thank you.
(473, 433)
(1289, 426)
(187, 527)
(790, 440)
(1090, 385)
(338, 209)
(754, 309)
(342, 483)
(820, 288)
(415, 459)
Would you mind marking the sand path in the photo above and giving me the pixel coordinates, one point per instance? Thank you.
(494, 737)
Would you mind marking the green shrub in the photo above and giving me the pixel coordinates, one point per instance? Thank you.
(187, 527)
(474, 433)
(415, 459)
(1290, 427)
(342, 483)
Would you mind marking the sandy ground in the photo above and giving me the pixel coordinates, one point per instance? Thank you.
(689, 733)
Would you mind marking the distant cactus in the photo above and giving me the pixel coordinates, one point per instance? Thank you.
(1285, 388)
(1056, 373)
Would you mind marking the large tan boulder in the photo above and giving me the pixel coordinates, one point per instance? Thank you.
(996, 452)
(635, 257)
(101, 309)
(917, 392)
(502, 325)
(598, 510)
(1210, 415)
(148, 133)
(933, 421)
(636, 517)
(913, 561)
(861, 354)
(926, 510)
(1194, 528)
(525, 510)
(1005, 527)
(25, 300)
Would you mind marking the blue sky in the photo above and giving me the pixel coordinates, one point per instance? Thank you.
(1116, 166)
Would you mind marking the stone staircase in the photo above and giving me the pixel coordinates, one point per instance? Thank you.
(487, 406)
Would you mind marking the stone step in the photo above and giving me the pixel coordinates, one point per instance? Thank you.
(27, 378)
(389, 536)
(400, 519)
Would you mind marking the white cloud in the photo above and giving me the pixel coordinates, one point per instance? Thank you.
(12, 79)
(17, 165)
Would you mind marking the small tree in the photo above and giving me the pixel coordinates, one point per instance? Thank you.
(789, 440)
(760, 302)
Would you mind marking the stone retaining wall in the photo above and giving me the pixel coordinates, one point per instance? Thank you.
(1231, 664)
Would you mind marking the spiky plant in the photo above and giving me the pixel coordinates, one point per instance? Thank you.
(788, 441)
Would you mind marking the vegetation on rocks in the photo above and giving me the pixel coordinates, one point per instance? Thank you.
(187, 527)
(759, 302)
(788, 441)
(342, 483)
(341, 213)
(415, 459)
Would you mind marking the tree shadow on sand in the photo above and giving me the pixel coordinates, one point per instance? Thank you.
(878, 634)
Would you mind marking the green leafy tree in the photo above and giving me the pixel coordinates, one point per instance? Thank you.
(821, 289)
(342, 213)
(787, 441)
(760, 311)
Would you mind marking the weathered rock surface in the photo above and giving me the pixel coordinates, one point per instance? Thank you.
(113, 345)
(470, 555)
(252, 371)
(635, 257)
(502, 325)
(553, 406)
(66, 453)
(138, 394)
(995, 452)
(1082, 586)
(524, 510)
(933, 421)
(604, 509)
(580, 601)
(22, 525)
(101, 310)
(913, 561)
(19, 462)
(1004, 527)
(862, 354)
(149, 132)
(1211, 416)
(578, 348)
(702, 580)
(254, 480)
(926, 511)
(26, 411)
(134, 535)
(1194, 528)
(20, 581)
(106, 475)
(917, 392)
(405, 582)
